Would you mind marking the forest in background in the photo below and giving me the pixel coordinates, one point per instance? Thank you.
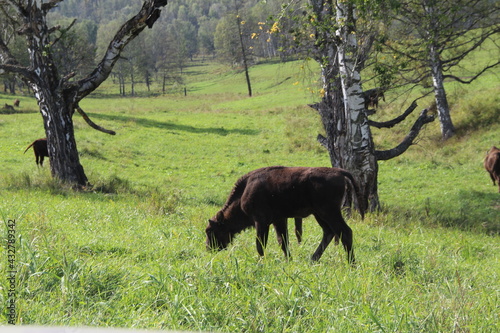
(203, 28)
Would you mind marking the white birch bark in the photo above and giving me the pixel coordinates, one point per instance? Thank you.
(360, 159)
(443, 109)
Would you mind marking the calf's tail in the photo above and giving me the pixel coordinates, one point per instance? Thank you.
(29, 147)
(359, 196)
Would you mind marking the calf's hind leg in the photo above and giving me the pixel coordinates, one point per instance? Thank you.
(282, 234)
(335, 226)
(341, 229)
(328, 235)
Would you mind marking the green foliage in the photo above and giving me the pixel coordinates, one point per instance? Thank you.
(420, 35)
(130, 252)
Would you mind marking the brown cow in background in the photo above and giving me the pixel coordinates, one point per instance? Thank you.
(40, 149)
(492, 165)
(371, 97)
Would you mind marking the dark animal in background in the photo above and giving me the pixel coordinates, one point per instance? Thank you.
(16, 103)
(492, 165)
(371, 97)
(8, 107)
(271, 195)
(40, 149)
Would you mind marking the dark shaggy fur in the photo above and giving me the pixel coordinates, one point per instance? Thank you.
(40, 150)
(371, 97)
(271, 195)
(492, 165)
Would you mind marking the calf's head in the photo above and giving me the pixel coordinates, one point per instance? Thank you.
(218, 237)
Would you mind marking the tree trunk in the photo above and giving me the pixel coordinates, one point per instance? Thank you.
(58, 97)
(64, 159)
(148, 80)
(359, 154)
(56, 106)
(447, 128)
(349, 140)
(244, 55)
(132, 84)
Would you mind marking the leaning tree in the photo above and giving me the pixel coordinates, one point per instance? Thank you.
(342, 51)
(58, 94)
(436, 39)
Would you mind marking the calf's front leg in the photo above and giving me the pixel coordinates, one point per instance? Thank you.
(298, 229)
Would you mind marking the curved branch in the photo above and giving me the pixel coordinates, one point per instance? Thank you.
(14, 69)
(395, 121)
(9, 64)
(423, 119)
(6, 57)
(456, 78)
(63, 31)
(148, 14)
(91, 123)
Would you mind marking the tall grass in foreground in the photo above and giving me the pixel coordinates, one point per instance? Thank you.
(129, 251)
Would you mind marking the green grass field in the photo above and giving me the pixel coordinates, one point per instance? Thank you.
(131, 253)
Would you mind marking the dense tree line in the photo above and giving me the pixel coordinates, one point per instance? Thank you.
(186, 28)
(208, 28)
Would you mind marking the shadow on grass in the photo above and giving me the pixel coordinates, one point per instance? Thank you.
(477, 122)
(468, 210)
(477, 210)
(9, 111)
(174, 127)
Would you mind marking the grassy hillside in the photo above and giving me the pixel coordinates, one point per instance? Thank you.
(131, 252)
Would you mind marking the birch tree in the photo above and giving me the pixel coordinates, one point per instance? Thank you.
(434, 38)
(57, 94)
(359, 148)
(342, 54)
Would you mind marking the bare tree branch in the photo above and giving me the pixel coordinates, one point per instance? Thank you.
(63, 31)
(9, 64)
(395, 121)
(6, 56)
(382, 155)
(91, 123)
(478, 41)
(456, 78)
(148, 14)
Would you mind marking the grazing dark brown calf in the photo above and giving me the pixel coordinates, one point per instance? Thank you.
(492, 165)
(40, 149)
(271, 195)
